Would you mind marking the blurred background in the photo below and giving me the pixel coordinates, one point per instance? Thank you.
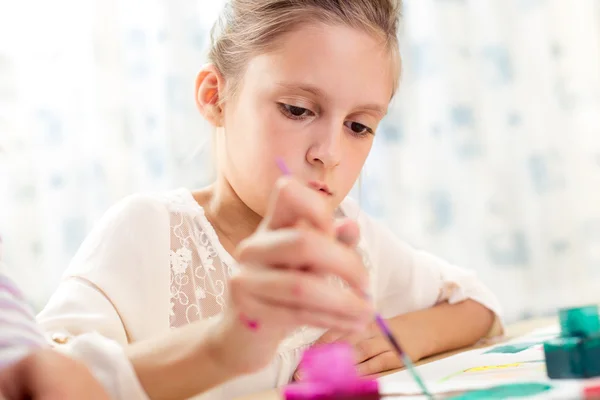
(490, 156)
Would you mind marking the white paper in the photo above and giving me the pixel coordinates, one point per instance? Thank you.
(483, 368)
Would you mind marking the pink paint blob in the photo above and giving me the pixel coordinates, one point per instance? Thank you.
(328, 373)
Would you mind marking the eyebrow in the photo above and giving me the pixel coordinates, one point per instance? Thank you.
(303, 87)
(319, 93)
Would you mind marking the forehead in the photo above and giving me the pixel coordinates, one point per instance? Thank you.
(344, 63)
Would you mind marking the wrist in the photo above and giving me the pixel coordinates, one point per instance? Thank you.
(182, 364)
(241, 349)
(218, 350)
(415, 341)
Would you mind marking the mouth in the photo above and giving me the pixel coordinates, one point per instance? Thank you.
(321, 188)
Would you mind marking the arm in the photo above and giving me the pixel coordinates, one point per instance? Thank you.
(180, 364)
(451, 308)
(442, 328)
(174, 366)
(438, 306)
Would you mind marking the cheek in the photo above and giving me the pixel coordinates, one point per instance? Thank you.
(245, 130)
(254, 122)
(355, 161)
(358, 155)
(252, 145)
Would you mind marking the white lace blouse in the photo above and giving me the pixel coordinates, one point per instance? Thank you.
(154, 263)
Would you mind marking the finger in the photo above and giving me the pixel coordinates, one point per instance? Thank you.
(299, 248)
(347, 232)
(255, 310)
(301, 291)
(273, 313)
(370, 332)
(369, 348)
(341, 337)
(297, 377)
(292, 201)
(317, 319)
(384, 362)
(330, 337)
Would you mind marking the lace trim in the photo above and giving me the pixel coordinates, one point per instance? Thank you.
(199, 273)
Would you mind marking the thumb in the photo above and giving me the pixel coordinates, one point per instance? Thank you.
(329, 337)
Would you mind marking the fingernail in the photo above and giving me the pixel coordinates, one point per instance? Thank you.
(250, 323)
(345, 237)
(297, 376)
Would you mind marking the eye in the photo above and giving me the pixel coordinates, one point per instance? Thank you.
(358, 129)
(295, 112)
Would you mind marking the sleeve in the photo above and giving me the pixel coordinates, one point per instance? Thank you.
(19, 334)
(118, 282)
(109, 364)
(406, 279)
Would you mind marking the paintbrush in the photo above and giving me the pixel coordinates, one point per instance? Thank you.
(381, 322)
(403, 356)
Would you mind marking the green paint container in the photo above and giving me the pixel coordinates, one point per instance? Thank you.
(582, 322)
(563, 358)
(590, 356)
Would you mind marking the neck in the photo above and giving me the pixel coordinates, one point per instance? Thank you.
(232, 219)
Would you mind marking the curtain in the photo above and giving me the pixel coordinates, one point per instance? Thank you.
(489, 157)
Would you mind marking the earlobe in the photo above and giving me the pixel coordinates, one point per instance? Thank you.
(209, 85)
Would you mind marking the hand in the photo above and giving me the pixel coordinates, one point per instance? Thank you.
(374, 353)
(49, 375)
(283, 284)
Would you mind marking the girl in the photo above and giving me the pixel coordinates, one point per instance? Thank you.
(307, 81)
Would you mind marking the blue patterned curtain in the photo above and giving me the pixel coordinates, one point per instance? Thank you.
(490, 156)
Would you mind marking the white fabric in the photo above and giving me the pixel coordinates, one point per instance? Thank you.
(108, 362)
(154, 262)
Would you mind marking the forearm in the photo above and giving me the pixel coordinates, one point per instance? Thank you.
(180, 364)
(444, 327)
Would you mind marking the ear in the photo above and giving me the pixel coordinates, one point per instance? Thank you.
(209, 88)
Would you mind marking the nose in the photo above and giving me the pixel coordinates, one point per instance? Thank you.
(326, 149)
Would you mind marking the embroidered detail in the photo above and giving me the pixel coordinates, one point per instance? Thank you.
(180, 260)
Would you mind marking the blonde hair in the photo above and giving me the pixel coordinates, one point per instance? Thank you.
(247, 28)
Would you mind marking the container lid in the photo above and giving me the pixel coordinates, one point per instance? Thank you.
(580, 321)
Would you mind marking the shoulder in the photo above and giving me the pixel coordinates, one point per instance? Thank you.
(136, 206)
(137, 224)
(148, 207)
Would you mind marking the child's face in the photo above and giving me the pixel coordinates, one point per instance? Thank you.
(315, 102)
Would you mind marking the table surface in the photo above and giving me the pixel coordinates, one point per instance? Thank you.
(512, 331)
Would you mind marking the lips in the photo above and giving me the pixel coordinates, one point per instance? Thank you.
(320, 187)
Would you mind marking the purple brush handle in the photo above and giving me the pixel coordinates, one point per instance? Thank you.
(282, 167)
